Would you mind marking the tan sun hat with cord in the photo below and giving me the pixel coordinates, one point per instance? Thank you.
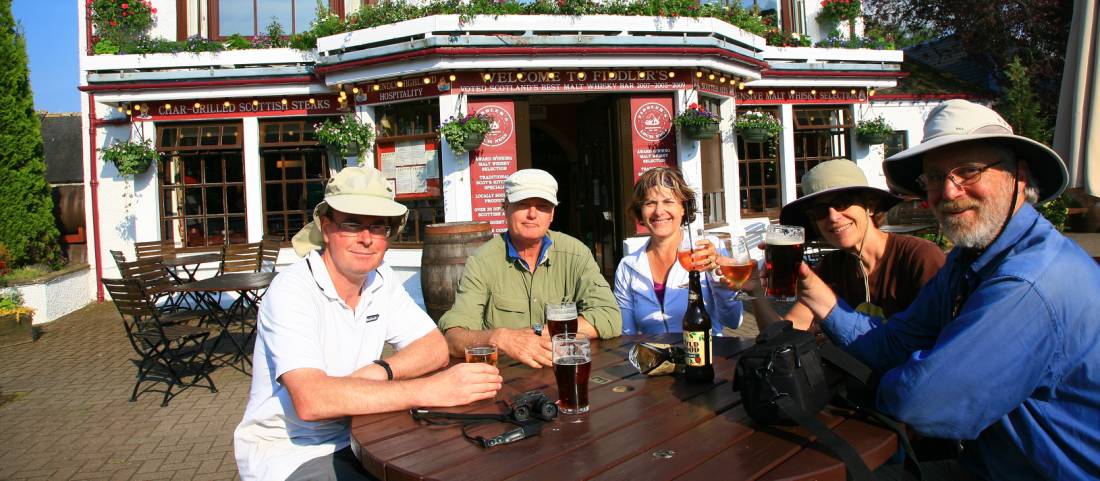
(354, 190)
(956, 121)
(831, 177)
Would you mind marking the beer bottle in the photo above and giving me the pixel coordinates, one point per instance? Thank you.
(699, 365)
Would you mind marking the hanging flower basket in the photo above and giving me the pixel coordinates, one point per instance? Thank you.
(873, 139)
(345, 137)
(465, 133)
(701, 131)
(130, 157)
(754, 134)
(874, 131)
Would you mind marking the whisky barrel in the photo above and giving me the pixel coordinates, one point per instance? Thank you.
(446, 247)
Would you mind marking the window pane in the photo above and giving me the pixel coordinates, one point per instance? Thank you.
(210, 136)
(236, 16)
(314, 162)
(315, 192)
(194, 202)
(275, 225)
(215, 202)
(276, 10)
(271, 133)
(305, 12)
(234, 196)
(295, 197)
(234, 168)
(292, 132)
(309, 134)
(274, 197)
(168, 137)
(229, 135)
(189, 137)
(272, 167)
(237, 233)
(292, 166)
(216, 231)
(212, 165)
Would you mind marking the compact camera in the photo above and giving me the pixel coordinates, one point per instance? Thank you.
(533, 404)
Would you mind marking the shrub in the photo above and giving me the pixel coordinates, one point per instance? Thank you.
(130, 157)
(121, 22)
(457, 129)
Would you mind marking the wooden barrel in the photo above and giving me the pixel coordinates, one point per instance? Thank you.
(446, 247)
(68, 201)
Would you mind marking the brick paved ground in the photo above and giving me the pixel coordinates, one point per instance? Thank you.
(64, 410)
(70, 417)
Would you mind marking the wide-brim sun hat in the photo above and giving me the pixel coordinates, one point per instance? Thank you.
(957, 121)
(528, 183)
(831, 177)
(354, 190)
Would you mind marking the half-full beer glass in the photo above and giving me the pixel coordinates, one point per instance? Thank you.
(783, 254)
(572, 365)
(561, 318)
(483, 353)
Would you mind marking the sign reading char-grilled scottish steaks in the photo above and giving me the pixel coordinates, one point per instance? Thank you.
(493, 162)
(239, 107)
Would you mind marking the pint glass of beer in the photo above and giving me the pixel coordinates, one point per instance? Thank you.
(561, 318)
(783, 254)
(483, 353)
(572, 365)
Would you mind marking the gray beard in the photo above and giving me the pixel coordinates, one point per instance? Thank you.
(983, 230)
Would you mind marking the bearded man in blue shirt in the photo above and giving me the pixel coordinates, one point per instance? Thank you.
(1002, 348)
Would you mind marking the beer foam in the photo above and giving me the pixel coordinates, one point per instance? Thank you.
(790, 241)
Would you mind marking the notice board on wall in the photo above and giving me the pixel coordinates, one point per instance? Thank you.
(412, 167)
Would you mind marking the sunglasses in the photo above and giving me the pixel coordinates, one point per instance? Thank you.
(820, 209)
(350, 229)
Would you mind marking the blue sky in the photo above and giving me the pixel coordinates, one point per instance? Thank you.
(50, 28)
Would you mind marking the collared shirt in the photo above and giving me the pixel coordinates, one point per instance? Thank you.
(497, 290)
(513, 254)
(1002, 349)
(303, 323)
(644, 313)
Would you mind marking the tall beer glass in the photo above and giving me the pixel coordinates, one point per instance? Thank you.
(783, 255)
(561, 318)
(572, 365)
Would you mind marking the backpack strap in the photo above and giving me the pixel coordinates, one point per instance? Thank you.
(857, 469)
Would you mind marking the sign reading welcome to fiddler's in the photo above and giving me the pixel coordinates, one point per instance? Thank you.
(523, 82)
(652, 141)
(493, 162)
(239, 107)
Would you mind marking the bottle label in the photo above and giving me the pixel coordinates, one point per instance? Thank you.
(697, 346)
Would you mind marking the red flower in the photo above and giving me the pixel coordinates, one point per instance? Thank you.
(114, 23)
(125, 6)
(153, 11)
(693, 106)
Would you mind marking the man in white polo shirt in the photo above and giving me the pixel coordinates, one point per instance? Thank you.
(321, 329)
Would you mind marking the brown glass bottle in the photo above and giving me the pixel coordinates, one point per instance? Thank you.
(699, 365)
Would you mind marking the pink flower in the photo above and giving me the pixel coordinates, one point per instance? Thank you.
(125, 6)
(153, 11)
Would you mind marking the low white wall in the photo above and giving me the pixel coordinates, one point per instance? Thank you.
(57, 296)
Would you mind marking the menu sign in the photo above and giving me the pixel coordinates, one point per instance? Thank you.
(412, 167)
(493, 162)
(652, 141)
(239, 107)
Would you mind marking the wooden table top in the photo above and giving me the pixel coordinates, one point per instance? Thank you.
(638, 428)
(234, 281)
(186, 260)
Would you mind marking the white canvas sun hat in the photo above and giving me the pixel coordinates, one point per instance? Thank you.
(353, 190)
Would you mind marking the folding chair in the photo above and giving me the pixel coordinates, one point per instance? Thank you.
(119, 258)
(154, 279)
(173, 355)
(240, 258)
(162, 249)
(269, 251)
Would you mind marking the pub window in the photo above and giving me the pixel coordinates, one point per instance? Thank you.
(407, 152)
(758, 171)
(202, 184)
(820, 134)
(250, 18)
(897, 142)
(714, 200)
(295, 169)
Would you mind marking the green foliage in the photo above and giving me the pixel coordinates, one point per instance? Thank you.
(779, 38)
(342, 133)
(1020, 107)
(872, 39)
(755, 119)
(10, 299)
(237, 42)
(695, 115)
(457, 129)
(27, 226)
(833, 11)
(874, 127)
(121, 22)
(1056, 211)
(130, 157)
(105, 47)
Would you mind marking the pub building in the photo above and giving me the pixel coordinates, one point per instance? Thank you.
(590, 99)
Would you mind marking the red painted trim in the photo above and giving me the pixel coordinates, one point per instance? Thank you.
(301, 79)
(94, 185)
(941, 96)
(479, 51)
(830, 73)
(237, 115)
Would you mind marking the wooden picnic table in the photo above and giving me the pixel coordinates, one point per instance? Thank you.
(638, 428)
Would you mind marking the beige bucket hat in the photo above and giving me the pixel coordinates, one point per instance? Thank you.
(956, 121)
(528, 183)
(354, 190)
(832, 176)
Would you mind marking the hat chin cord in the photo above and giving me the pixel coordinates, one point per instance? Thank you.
(1011, 210)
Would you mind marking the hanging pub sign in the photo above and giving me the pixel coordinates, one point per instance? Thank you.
(239, 107)
(652, 142)
(776, 95)
(493, 162)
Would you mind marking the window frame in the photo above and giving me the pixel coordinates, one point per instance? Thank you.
(214, 18)
(303, 146)
(419, 204)
(713, 190)
(834, 136)
(744, 168)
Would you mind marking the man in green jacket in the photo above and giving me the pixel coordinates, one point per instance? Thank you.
(508, 281)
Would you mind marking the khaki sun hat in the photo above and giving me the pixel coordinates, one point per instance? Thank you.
(354, 190)
(956, 121)
(829, 177)
(528, 183)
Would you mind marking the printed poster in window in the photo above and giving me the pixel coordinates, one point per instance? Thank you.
(412, 167)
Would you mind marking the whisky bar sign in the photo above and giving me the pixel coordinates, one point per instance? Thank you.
(238, 107)
(826, 95)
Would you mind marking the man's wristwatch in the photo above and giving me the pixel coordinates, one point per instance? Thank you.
(385, 365)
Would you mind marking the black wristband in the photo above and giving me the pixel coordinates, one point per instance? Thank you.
(385, 365)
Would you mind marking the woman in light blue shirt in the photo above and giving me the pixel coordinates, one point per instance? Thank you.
(650, 285)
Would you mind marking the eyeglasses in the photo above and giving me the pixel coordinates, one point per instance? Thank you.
(840, 202)
(960, 176)
(351, 229)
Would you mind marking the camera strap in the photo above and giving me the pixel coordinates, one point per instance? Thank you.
(523, 430)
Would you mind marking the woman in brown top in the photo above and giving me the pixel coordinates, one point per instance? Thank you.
(877, 272)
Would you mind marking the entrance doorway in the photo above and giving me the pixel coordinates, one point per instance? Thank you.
(576, 139)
